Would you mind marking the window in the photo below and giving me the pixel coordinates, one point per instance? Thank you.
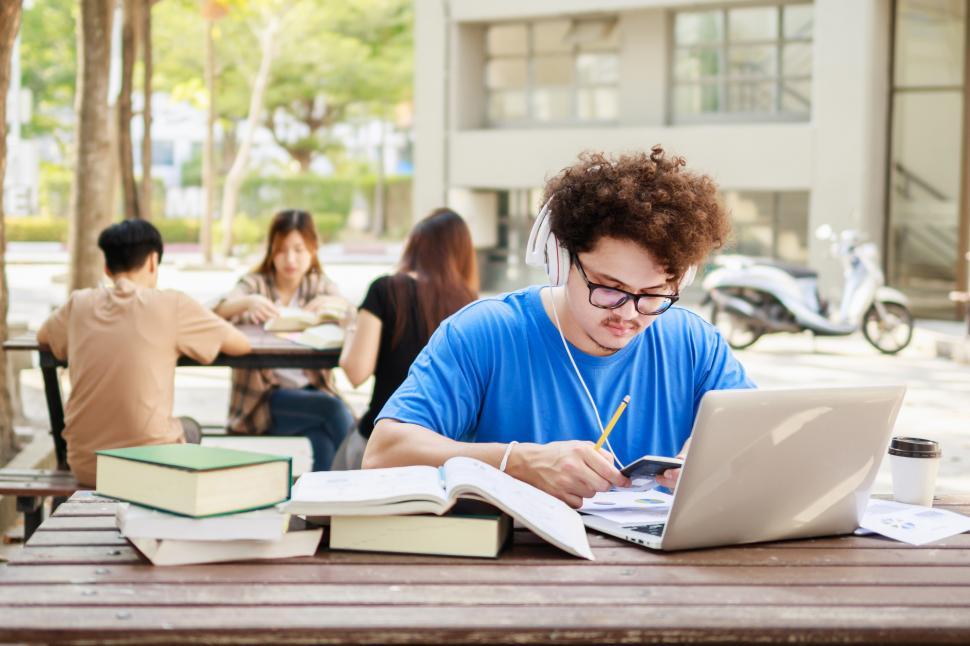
(552, 71)
(771, 224)
(163, 153)
(742, 63)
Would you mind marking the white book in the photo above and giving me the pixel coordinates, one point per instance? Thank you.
(135, 521)
(294, 319)
(425, 489)
(181, 552)
(318, 337)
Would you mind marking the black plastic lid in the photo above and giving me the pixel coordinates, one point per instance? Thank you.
(914, 447)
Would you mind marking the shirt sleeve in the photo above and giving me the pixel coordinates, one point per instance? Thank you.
(56, 326)
(245, 286)
(375, 301)
(444, 387)
(200, 333)
(718, 369)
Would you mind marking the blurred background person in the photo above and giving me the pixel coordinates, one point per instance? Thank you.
(438, 275)
(290, 401)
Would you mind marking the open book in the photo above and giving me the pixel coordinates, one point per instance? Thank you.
(319, 337)
(294, 319)
(425, 489)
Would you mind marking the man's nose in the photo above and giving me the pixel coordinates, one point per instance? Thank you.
(627, 311)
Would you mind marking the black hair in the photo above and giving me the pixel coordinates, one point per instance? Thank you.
(127, 245)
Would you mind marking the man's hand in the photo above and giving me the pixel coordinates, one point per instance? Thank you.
(670, 477)
(260, 309)
(569, 470)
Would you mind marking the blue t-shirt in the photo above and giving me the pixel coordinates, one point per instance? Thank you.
(497, 371)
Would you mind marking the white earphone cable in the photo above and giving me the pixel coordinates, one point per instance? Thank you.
(599, 422)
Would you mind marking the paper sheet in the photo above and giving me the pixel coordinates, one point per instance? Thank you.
(627, 506)
(912, 524)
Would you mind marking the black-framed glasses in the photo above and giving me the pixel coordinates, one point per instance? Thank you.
(610, 298)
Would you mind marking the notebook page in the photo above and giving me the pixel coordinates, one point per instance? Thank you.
(549, 517)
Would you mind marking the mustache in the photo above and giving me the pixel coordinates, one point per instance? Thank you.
(614, 319)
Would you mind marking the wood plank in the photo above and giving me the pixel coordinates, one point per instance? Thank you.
(85, 509)
(641, 623)
(605, 594)
(77, 523)
(765, 556)
(96, 537)
(491, 573)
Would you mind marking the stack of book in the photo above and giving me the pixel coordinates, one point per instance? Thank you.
(199, 504)
(428, 510)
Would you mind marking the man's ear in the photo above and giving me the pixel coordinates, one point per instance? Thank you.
(153, 259)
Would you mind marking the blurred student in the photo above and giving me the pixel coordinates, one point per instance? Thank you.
(121, 343)
(290, 401)
(438, 276)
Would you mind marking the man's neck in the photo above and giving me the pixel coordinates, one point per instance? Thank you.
(141, 278)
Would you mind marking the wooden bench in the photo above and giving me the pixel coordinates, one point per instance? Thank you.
(31, 486)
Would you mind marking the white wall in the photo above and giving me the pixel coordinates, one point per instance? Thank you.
(762, 156)
(431, 26)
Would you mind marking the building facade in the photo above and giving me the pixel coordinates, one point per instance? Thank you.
(847, 113)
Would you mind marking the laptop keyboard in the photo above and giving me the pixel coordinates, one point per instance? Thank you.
(654, 529)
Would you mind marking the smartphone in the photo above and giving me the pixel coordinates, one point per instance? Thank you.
(650, 466)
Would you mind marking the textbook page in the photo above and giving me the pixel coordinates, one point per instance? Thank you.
(416, 489)
(625, 506)
(549, 517)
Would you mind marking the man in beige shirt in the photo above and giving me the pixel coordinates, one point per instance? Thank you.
(121, 344)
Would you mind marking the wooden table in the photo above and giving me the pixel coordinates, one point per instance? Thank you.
(269, 351)
(78, 580)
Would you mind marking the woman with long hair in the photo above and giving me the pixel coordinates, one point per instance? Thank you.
(291, 401)
(438, 275)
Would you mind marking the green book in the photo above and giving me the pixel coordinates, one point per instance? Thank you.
(194, 480)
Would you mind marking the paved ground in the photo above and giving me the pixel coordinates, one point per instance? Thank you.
(937, 404)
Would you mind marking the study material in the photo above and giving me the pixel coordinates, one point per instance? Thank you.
(294, 319)
(297, 447)
(913, 524)
(768, 465)
(612, 423)
(194, 480)
(135, 521)
(457, 533)
(626, 506)
(425, 489)
(318, 337)
(182, 552)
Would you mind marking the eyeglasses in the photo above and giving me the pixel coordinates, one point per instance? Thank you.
(610, 298)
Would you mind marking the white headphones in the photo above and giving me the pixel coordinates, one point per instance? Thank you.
(544, 250)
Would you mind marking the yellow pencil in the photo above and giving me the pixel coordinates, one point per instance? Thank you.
(616, 416)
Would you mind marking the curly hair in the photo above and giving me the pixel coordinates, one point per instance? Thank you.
(672, 213)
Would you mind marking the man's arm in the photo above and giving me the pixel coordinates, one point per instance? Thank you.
(235, 343)
(569, 470)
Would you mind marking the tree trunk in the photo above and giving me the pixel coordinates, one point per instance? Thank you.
(209, 152)
(234, 178)
(378, 222)
(9, 25)
(92, 171)
(146, 140)
(126, 159)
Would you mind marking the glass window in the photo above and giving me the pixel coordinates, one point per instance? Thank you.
(163, 153)
(507, 40)
(755, 61)
(769, 224)
(929, 42)
(753, 24)
(553, 71)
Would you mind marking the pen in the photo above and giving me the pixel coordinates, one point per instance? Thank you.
(616, 416)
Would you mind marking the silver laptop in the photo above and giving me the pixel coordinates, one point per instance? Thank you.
(766, 465)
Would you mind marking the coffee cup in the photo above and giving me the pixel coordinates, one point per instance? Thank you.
(914, 462)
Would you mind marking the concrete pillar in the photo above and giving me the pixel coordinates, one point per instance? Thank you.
(850, 102)
(431, 79)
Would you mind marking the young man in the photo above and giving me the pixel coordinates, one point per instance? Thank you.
(121, 344)
(496, 381)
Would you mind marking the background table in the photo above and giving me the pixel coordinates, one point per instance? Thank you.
(79, 580)
(268, 351)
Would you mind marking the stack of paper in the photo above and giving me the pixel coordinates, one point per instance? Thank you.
(169, 539)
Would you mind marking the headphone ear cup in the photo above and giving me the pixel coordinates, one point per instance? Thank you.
(557, 261)
(688, 278)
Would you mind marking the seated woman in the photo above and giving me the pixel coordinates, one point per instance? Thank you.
(438, 276)
(291, 401)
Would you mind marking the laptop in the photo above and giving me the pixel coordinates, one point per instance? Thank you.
(768, 465)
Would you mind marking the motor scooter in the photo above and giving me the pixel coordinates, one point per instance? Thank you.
(751, 297)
